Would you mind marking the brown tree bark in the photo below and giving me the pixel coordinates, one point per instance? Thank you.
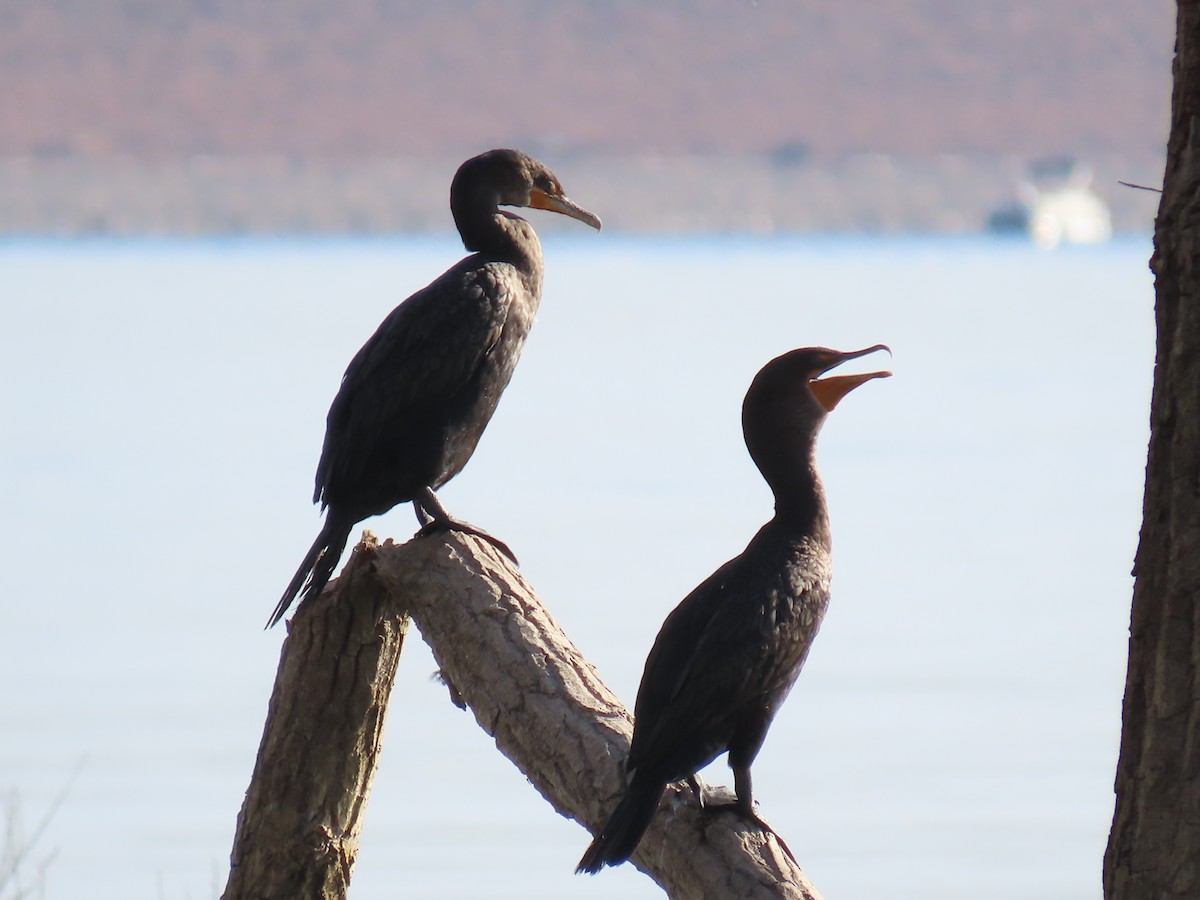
(1154, 846)
(297, 833)
(502, 655)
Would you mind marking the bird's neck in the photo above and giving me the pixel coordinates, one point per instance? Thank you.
(495, 232)
(799, 494)
(512, 240)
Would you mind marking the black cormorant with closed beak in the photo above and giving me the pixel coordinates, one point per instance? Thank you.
(416, 398)
(728, 655)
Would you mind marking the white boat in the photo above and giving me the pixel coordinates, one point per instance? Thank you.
(1057, 205)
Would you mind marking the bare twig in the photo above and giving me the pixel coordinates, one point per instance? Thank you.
(1140, 187)
(18, 847)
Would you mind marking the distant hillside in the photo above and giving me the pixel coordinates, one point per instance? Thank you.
(318, 79)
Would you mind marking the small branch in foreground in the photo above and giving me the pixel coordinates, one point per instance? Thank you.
(18, 847)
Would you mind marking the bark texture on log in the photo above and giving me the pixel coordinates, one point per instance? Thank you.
(297, 832)
(552, 715)
(503, 655)
(1152, 850)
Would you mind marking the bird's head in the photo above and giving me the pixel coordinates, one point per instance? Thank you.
(789, 399)
(512, 178)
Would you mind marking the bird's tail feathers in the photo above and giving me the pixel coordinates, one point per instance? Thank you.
(316, 570)
(624, 829)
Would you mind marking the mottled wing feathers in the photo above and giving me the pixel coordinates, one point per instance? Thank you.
(423, 354)
(681, 689)
(733, 644)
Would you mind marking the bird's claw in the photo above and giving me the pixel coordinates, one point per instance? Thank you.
(750, 818)
(455, 525)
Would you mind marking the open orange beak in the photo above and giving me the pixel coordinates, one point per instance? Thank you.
(830, 391)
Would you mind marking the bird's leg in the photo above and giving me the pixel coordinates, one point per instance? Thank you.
(744, 804)
(744, 789)
(697, 787)
(423, 518)
(439, 520)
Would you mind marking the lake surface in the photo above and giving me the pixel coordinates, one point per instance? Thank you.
(955, 731)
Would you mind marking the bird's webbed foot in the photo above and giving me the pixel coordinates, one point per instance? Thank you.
(457, 525)
(440, 520)
(750, 818)
(743, 808)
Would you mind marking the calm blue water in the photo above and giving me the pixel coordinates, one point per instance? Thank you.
(955, 732)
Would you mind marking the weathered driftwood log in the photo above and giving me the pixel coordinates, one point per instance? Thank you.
(297, 833)
(503, 655)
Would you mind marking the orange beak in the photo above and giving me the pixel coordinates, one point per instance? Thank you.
(539, 199)
(830, 391)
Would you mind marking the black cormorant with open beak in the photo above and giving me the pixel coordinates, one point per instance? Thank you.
(728, 655)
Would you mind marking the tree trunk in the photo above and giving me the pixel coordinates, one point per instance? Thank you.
(1154, 847)
(502, 655)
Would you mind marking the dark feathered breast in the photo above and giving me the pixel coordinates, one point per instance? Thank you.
(417, 397)
(733, 647)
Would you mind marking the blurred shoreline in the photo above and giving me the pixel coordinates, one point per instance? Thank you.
(864, 193)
